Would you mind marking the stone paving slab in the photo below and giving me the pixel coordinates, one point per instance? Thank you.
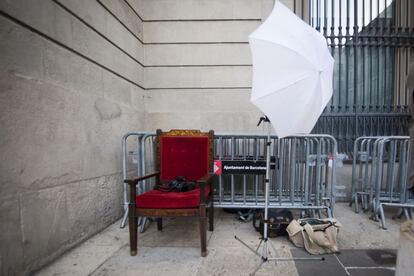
(352, 262)
(330, 266)
(176, 250)
(371, 272)
(368, 258)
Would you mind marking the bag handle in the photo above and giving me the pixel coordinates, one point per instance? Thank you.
(324, 229)
(330, 223)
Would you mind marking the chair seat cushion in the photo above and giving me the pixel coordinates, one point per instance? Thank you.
(170, 200)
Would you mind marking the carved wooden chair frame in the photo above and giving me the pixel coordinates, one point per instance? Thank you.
(200, 211)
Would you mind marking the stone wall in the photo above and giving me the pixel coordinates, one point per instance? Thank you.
(71, 79)
(75, 75)
(198, 64)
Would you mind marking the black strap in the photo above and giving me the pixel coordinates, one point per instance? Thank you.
(324, 229)
(330, 223)
(180, 184)
(166, 189)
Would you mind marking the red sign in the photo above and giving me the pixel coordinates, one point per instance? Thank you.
(217, 167)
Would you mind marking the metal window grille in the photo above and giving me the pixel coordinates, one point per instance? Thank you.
(371, 41)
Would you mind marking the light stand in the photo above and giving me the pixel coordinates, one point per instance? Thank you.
(264, 241)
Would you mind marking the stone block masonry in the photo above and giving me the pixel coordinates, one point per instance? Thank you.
(71, 79)
(76, 75)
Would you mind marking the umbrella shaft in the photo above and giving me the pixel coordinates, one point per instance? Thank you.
(267, 180)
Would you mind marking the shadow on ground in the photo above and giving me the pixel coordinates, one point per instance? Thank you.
(365, 250)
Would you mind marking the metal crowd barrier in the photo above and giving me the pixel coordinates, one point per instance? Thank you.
(361, 172)
(379, 175)
(134, 166)
(141, 156)
(302, 175)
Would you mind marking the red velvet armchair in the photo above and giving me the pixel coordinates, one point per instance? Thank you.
(186, 153)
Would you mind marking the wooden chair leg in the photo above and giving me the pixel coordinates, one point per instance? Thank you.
(211, 216)
(203, 230)
(133, 221)
(159, 224)
(133, 235)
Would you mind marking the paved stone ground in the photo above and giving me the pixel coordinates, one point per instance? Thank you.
(365, 250)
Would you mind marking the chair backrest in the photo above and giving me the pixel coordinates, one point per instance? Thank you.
(186, 153)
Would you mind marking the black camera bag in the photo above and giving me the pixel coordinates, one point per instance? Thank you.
(276, 224)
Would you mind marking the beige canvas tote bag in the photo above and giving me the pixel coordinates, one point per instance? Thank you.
(318, 236)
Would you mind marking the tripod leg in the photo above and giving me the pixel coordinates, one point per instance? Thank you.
(260, 243)
(274, 251)
(257, 268)
(272, 246)
(246, 245)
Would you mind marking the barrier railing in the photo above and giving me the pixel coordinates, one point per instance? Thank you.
(379, 175)
(362, 171)
(137, 157)
(302, 172)
(303, 175)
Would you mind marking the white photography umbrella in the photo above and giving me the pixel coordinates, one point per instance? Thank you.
(292, 72)
(292, 83)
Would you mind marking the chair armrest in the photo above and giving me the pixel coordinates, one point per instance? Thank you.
(134, 181)
(202, 182)
(133, 185)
